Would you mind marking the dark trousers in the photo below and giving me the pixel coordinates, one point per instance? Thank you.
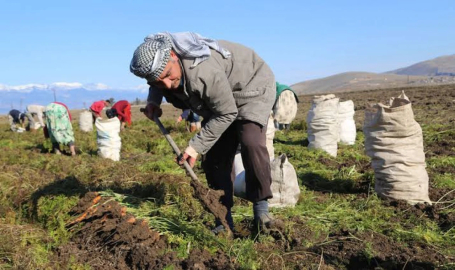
(218, 162)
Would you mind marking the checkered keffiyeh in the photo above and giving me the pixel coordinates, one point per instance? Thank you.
(151, 57)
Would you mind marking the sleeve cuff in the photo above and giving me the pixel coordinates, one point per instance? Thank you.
(190, 151)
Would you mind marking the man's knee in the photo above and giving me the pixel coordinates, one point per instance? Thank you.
(253, 138)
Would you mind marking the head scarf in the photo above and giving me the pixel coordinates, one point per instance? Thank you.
(151, 57)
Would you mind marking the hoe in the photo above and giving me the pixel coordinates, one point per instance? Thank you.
(209, 198)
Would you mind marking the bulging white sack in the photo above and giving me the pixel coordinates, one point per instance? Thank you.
(285, 187)
(285, 108)
(108, 138)
(394, 141)
(85, 121)
(322, 124)
(346, 123)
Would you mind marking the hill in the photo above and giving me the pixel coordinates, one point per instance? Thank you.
(440, 70)
(354, 81)
(440, 66)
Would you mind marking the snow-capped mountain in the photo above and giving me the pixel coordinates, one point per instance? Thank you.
(74, 95)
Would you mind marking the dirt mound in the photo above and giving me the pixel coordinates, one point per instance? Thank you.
(435, 212)
(349, 249)
(107, 237)
(201, 260)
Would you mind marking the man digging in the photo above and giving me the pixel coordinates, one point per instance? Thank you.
(234, 90)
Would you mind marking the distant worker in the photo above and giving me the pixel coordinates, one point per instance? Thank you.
(192, 120)
(285, 107)
(15, 117)
(122, 110)
(58, 127)
(97, 107)
(32, 111)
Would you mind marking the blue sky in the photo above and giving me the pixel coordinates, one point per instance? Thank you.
(93, 41)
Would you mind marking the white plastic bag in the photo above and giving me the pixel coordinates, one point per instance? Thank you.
(394, 141)
(346, 123)
(108, 139)
(85, 121)
(285, 187)
(322, 124)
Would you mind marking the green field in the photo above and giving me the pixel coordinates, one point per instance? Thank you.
(84, 212)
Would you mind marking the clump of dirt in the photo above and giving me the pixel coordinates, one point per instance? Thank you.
(441, 194)
(371, 250)
(329, 162)
(107, 237)
(211, 200)
(440, 149)
(301, 235)
(293, 247)
(433, 212)
(201, 260)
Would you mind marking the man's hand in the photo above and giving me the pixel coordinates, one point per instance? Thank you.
(151, 110)
(190, 155)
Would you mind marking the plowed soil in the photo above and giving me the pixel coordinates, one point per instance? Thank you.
(107, 237)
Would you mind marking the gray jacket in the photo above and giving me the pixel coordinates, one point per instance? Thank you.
(221, 90)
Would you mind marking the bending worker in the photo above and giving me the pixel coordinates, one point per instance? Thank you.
(122, 110)
(33, 110)
(233, 89)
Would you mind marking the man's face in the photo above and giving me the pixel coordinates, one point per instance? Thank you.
(171, 76)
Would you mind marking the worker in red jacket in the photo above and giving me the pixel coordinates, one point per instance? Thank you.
(97, 107)
(122, 110)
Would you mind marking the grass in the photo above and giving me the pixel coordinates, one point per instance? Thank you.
(38, 189)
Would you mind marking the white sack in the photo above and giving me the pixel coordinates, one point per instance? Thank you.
(85, 121)
(285, 108)
(346, 123)
(270, 134)
(108, 139)
(239, 183)
(322, 124)
(393, 140)
(285, 187)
